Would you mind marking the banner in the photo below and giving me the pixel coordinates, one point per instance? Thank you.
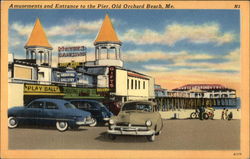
(34, 89)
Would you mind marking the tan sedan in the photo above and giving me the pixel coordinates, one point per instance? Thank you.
(136, 118)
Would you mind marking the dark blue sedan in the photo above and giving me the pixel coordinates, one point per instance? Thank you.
(58, 112)
(99, 112)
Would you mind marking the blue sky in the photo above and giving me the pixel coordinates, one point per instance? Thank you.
(194, 45)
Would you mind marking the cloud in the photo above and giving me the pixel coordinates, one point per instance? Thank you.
(74, 27)
(21, 29)
(143, 56)
(71, 27)
(205, 33)
(180, 61)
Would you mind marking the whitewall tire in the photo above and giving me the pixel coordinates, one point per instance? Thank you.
(94, 123)
(61, 125)
(12, 122)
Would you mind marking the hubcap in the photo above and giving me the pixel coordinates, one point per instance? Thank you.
(12, 121)
(62, 124)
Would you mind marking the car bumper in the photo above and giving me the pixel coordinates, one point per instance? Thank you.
(106, 119)
(85, 122)
(130, 131)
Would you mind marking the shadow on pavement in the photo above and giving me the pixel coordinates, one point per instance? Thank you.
(50, 128)
(104, 137)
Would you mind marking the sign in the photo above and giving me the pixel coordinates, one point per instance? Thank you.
(33, 89)
(100, 90)
(70, 64)
(111, 75)
(74, 51)
(68, 80)
(85, 93)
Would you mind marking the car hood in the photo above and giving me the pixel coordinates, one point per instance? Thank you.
(78, 112)
(13, 109)
(135, 117)
(106, 111)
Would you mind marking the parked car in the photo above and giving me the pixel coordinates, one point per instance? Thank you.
(45, 111)
(99, 112)
(136, 118)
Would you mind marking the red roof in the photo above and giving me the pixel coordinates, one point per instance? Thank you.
(201, 86)
(137, 75)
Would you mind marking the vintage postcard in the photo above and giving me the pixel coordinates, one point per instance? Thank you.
(124, 79)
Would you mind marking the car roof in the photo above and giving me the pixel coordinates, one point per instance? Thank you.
(51, 100)
(84, 100)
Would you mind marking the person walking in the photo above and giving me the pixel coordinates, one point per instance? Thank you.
(201, 110)
(226, 114)
(223, 114)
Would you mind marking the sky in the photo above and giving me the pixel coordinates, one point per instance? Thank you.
(176, 47)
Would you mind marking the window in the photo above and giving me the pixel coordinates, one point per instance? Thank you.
(69, 105)
(132, 84)
(37, 104)
(135, 84)
(92, 106)
(143, 84)
(127, 83)
(50, 105)
(139, 84)
(84, 106)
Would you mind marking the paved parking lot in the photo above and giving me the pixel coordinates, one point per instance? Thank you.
(176, 135)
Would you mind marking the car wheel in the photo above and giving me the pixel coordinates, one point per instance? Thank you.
(61, 125)
(111, 136)
(158, 133)
(151, 138)
(12, 122)
(205, 116)
(94, 123)
(193, 115)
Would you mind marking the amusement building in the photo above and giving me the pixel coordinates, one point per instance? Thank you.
(104, 79)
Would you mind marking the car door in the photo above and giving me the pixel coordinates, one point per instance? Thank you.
(94, 110)
(33, 113)
(51, 112)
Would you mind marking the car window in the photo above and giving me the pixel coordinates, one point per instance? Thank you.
(75, 103)
(69, 105)
(137, 106)
(36, 104)
(92, 106)
(80, 104)
(129, 106)
(50, 105)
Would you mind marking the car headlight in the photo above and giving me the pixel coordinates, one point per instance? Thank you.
(148, 123)
(88, 118)
(111, 122)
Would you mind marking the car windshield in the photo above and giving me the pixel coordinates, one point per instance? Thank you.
(69, 105)
(137, 106)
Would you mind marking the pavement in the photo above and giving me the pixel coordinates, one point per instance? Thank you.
(185, 113)
(176, 135)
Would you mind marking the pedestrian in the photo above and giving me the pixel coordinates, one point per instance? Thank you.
(201, 110)
(223, 114)
(230, 116)
(226, 114)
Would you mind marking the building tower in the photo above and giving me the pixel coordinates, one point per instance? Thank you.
(38, 47)
(106, 45)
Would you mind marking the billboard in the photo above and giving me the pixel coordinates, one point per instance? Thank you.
(73, 51)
